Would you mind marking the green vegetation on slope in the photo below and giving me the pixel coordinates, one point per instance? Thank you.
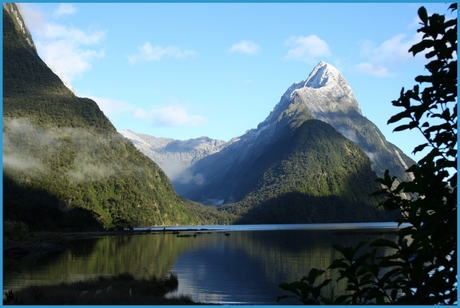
(64, 164)
(314, 175)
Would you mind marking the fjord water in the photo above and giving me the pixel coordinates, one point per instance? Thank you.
(215, 264)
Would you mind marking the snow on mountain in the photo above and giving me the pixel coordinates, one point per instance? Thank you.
(324, 91)
(329, 98)
(133, 137)
(173, 156)
(326, 82)
(209, 169)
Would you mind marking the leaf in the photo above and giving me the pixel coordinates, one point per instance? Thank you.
(281, 297)
(402, 127)
(316, 291)
(365, 280)
(342, 299)
(423, 14)
(373, 255)
(361, 271)
(338, 264)
(360, 244)
(374, 269)
(419, 148)
(431, 54)
(389, 263)
(398, 117)
(381, 242)
(389, 274)
(313, 274)
(349, 253)
(338, 247)
(361, 260)
(289, 287)
(423, 78)
(394, 293)
(426, 124)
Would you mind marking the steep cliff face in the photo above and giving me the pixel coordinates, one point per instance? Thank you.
(324, 95)
(64, 164)
(19, 23)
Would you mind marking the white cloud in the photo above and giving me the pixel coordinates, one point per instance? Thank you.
(51, 140)
(394, 50)
(64, 9)
(71, 35)
(376, 70)
(66, 59)
(147, 52)
(112, 107)
(67, 50)
(174, 115)
(245, 47)
(307, 48)
(24, 163)
(32, 16)
(382, 60)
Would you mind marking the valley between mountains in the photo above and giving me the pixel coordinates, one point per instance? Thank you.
(314, 158)
(209, 171)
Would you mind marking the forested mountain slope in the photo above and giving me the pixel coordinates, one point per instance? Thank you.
(64, 164)
(324, 95)
(313, 175)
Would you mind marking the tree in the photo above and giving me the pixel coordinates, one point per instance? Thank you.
(423, 267)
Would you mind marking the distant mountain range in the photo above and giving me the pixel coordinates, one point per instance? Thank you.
(174, 156)
(215, 175)
(314, 159)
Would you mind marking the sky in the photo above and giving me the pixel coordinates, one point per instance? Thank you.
(186, 70)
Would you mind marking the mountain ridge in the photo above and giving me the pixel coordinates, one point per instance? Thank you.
(173, 156)
(314, 175)
(64, 164)
(325, 95)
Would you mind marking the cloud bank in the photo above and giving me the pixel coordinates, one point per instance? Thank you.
(20, 134)
(173, 114)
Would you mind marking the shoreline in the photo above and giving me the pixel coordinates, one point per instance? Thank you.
(42, 242)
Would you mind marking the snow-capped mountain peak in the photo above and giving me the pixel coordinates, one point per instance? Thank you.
(324, 92)
(322, 75)
(213, 173)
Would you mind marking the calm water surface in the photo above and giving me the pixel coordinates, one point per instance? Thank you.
(245, 266)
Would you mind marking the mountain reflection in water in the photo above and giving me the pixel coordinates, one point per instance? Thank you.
(245, 267)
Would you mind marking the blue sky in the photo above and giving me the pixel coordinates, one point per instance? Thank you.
(185, 70)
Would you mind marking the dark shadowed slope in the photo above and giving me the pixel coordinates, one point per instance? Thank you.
(64, 164)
